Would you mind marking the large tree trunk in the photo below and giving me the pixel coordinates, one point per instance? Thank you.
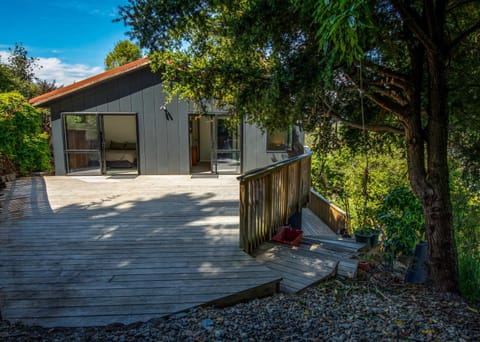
(429, 173)
(431, 186)
(436, 203)
(427, 145)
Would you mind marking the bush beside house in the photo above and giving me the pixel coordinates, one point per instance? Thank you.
(24, 147)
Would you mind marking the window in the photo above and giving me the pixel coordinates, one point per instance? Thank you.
(280, 140)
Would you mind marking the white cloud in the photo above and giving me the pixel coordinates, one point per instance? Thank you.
(53, 69)
(4, 56)
(64, 74)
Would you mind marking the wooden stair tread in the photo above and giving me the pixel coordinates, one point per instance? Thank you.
(335, 243)
(314, 260)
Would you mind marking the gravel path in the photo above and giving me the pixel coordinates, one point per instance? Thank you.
(375, 306)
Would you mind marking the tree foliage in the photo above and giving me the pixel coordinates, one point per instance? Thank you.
(464, 102)
(24, 146)
(17, 73)
(466, 204)
(23, 129)
(343, 176)
(22, 68)
(230, 52)
(21, 64)
(403, 70)
(124, 52)
(381, 65)
(402, 220)
(7, 82)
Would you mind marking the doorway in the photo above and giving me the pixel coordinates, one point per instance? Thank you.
(100, 143)
(214, 145)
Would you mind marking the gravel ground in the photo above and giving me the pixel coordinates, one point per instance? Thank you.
(375, 306)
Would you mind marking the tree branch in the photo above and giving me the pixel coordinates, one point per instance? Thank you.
(456, 4)
(387, 104)
(412, 21)
(389, 93)
(373, 128)
(396, 78)
(463, 35)
(386, 71)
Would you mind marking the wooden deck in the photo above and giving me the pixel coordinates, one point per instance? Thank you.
(79, 251)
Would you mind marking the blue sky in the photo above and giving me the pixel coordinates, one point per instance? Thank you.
(70, 38)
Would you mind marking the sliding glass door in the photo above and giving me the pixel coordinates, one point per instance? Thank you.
(100, 143)
(83, 144)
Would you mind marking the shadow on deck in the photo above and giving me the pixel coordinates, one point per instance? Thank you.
(82, 251)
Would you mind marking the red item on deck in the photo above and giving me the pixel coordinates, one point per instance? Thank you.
(288, 236)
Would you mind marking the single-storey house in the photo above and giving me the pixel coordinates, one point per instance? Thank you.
(119, 122)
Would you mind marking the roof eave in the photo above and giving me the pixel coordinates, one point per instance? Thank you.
(56, 94)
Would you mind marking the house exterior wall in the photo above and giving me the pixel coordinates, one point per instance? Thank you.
(255, 153)
(163, 145)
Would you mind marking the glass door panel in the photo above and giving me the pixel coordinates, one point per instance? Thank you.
(82, 144)
(83, 163)
(213, 145)
(227, 152)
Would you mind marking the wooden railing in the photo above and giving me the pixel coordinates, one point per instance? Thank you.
(269, 196)
(329, 213)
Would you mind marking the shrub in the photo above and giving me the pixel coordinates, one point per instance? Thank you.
(340, 177)
(466, 214)
(23, 144)
(469, 271)
(401, 216)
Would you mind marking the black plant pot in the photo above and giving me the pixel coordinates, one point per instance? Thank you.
(374, 238)
(365, 238)
(418, 270)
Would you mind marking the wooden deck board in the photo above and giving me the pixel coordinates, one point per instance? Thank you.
(79, 251)
(312, 225)
(298, 271)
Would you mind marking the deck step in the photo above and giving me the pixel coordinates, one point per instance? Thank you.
(297, 269)
(260, 291)
(334, 243)
(314, 260)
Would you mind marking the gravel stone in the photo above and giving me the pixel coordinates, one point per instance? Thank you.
(377, 305)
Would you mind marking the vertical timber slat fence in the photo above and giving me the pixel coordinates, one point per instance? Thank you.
(329, 213)
(269, 196)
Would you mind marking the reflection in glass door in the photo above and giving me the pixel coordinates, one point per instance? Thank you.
(226, 146)
(213, 145)
(83, 146)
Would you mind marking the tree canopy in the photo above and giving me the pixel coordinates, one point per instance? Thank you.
(385, 65)
(124, 52)
(17, 73)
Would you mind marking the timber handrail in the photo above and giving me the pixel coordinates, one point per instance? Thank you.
(333, 216)
(270, 195)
